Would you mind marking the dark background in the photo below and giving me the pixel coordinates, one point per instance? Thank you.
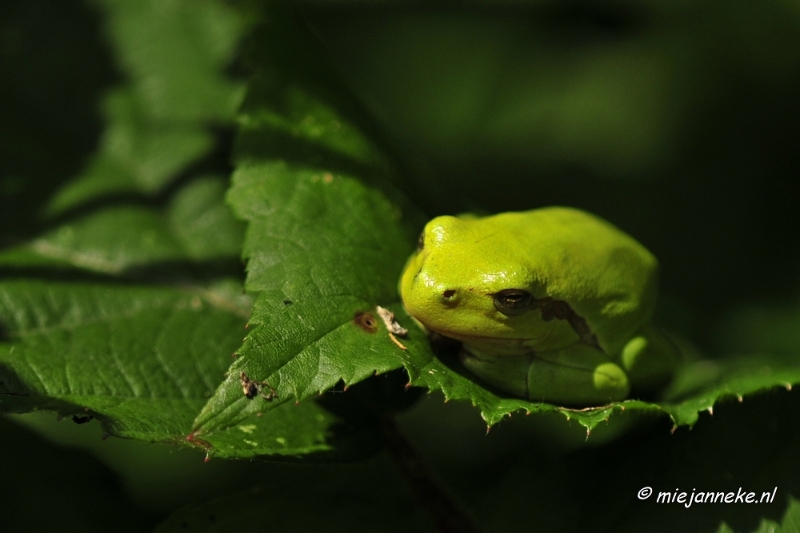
(678, 121)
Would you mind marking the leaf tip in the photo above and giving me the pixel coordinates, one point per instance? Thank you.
(193, 439)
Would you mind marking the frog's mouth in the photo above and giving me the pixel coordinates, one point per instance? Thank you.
(468, 337)
(550, 309)
(493, 345)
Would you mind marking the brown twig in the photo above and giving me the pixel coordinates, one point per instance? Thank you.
(428, 491)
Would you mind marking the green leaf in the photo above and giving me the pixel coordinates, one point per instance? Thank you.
(597, 488)
(89, 328)
(176, 53)
(697, 387)
(174, 56)
(790, 522)
(137, 153)
(130, 315)
(726, 378)
(327, 236)
(323, 251)
(129, 310)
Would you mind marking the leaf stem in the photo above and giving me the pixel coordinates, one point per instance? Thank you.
(428, 491)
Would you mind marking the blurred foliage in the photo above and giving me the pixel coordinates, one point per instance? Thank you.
(129, 308)
(55, 69)
(676, 121)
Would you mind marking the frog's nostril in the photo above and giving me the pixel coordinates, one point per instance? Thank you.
(449, 293)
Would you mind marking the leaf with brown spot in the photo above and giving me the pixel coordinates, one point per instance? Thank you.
(327, 236)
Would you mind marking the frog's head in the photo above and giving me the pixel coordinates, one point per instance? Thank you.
(472, 280)
(537, 280)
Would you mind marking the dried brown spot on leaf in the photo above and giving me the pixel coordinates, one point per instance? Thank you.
(366, 322)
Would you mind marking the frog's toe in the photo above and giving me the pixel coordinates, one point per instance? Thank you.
(611, 382)
(650, 361)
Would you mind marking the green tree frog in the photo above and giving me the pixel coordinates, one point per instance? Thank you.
(550, 305)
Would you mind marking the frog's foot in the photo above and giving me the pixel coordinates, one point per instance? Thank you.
(650, 360)
(579, 375)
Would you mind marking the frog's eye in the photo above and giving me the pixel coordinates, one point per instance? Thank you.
(513, 301)
(421, 241)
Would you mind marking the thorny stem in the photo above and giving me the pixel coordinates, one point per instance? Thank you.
(428, 491)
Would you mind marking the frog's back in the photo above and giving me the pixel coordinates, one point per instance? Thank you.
(607, 276)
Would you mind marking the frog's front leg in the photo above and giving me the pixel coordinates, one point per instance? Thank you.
(578, 375)
(650, 360)
(508, 373)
